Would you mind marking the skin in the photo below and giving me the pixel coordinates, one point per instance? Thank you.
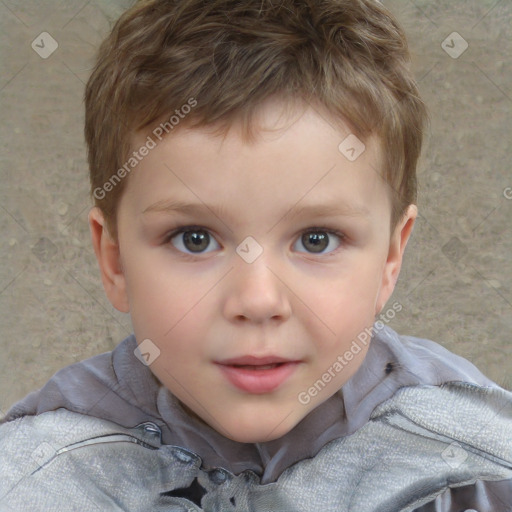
(297, 300)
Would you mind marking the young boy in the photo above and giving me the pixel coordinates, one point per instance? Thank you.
(253, 169)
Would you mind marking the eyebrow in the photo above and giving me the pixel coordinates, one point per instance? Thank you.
(317, 210)
(173, 205)
(327, 210)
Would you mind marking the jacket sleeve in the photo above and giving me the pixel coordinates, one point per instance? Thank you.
(482, 496)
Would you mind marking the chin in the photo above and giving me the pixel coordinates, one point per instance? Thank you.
(254, 437)
(257, 433)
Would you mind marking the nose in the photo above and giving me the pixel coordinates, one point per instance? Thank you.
(256, 293)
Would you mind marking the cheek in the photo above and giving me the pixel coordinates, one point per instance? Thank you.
(174, 316)
(347, 301)
(348, 311)
(157, 291)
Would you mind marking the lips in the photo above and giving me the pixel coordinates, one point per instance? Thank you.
(257, 375)
(257, 367)
(254, 361)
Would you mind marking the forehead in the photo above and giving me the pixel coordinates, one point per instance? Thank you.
(298, 155)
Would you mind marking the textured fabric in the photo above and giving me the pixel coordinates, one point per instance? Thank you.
(481, 496)
(415, 445)
(116, 386)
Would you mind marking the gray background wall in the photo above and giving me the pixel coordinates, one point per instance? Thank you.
(456, 284)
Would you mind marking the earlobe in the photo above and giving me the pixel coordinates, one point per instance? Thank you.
(109, 260)
(397, 245)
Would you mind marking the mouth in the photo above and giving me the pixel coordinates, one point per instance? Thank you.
(257, 367)
(257, 375)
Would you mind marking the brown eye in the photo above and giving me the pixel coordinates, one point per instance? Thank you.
(196, 241)
(192, 240)
(316, 242)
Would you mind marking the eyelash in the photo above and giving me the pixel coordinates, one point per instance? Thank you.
(182, 229)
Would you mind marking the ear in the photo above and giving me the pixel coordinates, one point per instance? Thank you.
(397, 244)
(109, 259)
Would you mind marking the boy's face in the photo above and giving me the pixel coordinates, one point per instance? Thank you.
(249, 279)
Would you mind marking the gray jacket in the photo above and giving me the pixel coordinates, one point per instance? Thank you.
(418, 428)
(409, 452)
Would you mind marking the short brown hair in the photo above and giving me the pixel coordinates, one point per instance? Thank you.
(347, 57)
